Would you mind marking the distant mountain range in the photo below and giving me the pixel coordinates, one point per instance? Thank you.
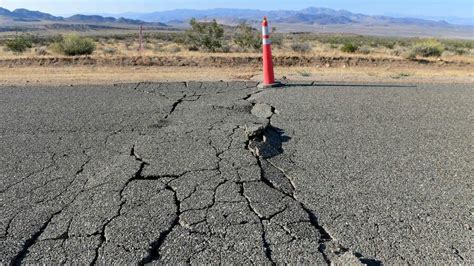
(310, 16)
(317, 20)
(466, 21)
(25, 15)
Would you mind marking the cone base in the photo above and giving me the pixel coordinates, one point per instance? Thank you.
(272, 85)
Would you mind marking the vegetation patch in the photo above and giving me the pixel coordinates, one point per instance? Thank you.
(73, 45)
(349, 48)
(248, 38)
(427, 48)
(204, 35)
(301, 47)
(19, 44)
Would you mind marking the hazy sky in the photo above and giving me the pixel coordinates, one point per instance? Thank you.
(461, 8)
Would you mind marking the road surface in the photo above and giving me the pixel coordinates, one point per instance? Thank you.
(226, 173)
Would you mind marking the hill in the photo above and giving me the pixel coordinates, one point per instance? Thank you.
(309, 16)
(25, 15)
(312, 19)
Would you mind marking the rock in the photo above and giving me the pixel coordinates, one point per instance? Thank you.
(262, 110)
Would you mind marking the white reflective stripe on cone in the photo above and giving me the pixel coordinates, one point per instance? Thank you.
(267, 41)
(265, 30)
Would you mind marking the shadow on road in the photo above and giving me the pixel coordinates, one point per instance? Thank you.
(272, 141)
(349, 85)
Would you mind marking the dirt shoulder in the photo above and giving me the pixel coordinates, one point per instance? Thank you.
(82, 75)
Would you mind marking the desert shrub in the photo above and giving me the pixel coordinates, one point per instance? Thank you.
(225, 49)
(248, 38)
(146, 45)
(397, 51)
(277, 39)
(176, 37)
(119, 37)
(158, 47)
(457, 47)
(389, 45)
(19, 44)
(301, 47)
(427, 48)
(56, 47)
(41, 51)
(109, 50)
(349, 48)
(74, 45)
(337, 40)
(128, 45)
(193, 48)
(175, 49)
(364, 50)
(208, 36)
(459, 51)
(411, 54)
(370, 43)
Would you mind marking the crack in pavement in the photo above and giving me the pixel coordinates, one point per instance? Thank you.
(456, 251)
(175, 105)
(101, 233)
(154, 251)
(231, 147)
(266, 245)
(263, 146)
(43, 169)
(17, 260)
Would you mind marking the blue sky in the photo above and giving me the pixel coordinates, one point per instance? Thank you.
(460, 8)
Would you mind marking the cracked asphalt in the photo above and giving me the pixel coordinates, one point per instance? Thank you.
(222, 172)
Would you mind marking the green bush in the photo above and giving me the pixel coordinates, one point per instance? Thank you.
(248, 38)
(208, 36)
(349, 48)
(74, 45)
(19, 44)
(428, 48)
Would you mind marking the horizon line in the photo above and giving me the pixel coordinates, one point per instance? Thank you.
(65, 15)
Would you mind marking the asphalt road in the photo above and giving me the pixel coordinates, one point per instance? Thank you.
(225, 173)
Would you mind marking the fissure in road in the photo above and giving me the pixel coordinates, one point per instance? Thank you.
(240, 207)
(266, 143)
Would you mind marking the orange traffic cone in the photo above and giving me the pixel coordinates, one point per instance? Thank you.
(268, 74)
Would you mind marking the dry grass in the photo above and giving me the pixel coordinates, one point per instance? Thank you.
(166, 48)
